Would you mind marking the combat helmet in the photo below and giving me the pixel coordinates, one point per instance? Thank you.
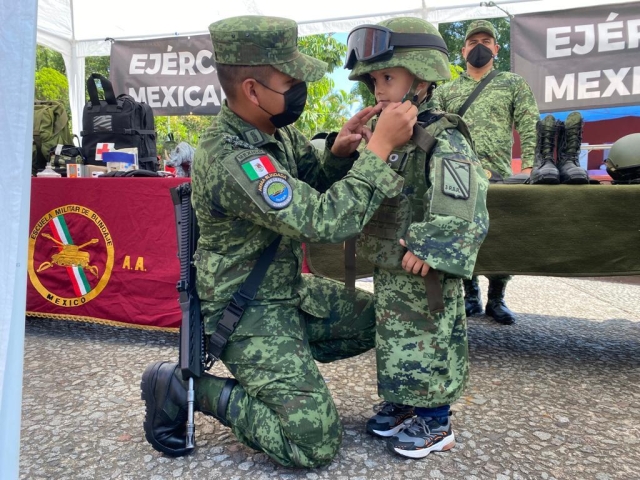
(407, 42)
(623, 164)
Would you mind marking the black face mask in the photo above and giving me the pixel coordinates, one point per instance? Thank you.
(479, 56)
(295, 100)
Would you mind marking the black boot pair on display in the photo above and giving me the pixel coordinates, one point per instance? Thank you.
(165, 396)
(496, 308)
(559, 165)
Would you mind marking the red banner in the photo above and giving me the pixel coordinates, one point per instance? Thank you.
(104, 250)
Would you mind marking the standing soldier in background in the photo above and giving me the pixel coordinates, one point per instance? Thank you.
(506, 101)
(256, 182)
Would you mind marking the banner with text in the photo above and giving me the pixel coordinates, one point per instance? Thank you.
(579, 58)
(104, 250)
(175, 75)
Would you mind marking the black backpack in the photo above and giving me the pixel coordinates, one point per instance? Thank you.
(121, 121)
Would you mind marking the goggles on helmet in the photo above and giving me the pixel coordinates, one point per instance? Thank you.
(369, 42)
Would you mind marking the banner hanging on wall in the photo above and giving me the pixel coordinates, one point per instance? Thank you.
(174, 75)
(580, 58)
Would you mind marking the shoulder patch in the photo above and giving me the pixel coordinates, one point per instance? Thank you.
(242, 155)
(276, 190)
(257, 166)
(456, 178)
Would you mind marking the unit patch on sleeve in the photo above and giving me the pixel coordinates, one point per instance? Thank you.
(456, 178)
(276, 190)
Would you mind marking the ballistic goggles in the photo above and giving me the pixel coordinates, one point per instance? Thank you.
(369, 42)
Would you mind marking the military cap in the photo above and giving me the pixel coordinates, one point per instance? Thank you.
(478, 26)
(253, 40)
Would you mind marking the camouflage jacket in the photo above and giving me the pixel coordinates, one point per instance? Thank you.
(506, 102)
(441, 212)
(249, 187)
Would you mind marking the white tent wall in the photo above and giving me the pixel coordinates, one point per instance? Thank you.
(77, 30)
(17, 64)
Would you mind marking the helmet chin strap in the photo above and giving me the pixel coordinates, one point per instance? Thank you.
(413, 93)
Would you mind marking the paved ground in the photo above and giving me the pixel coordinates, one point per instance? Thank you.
(554, 397)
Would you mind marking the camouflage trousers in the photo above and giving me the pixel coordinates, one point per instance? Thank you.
(422, 360)
(281, 405)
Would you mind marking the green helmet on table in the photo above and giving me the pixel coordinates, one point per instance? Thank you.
(623, 163)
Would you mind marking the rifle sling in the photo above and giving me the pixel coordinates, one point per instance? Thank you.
(246, 293)
(350, 263)
(476, 92)
(433, 288)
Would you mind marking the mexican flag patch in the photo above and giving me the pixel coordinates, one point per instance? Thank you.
(258, 167)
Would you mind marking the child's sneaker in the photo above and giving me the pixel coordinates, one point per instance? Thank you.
(422, 436)
(389, 419)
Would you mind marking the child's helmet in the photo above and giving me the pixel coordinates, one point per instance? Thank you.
(623, 163)
(407, 42)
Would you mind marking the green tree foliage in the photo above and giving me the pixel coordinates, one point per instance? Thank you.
(326, 110)
(47, 58)
(453, 34)
(51, 85)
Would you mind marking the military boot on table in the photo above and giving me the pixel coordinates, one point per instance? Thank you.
(569, 141)
(544, 171)
(472, 298)
(496, 308)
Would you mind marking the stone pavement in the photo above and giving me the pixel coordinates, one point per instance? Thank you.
(554, 397)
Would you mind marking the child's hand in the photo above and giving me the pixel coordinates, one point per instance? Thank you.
(413, 264)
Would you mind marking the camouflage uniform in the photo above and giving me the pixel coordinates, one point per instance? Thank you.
(422, 357)
(281, 405)
(506, 102)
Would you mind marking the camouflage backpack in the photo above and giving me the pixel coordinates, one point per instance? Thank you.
(50, 128)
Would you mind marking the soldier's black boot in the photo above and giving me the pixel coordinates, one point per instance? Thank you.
(496, 308)
(569, 141)
(165, 397)
(472, 298)
(544, 171)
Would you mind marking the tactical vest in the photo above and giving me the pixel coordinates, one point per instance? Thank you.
(378, 242)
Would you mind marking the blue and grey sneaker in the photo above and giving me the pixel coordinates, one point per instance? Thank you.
(421, 436)
(389, 419)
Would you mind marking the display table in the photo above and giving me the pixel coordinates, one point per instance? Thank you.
(104, 250)
(545, 230)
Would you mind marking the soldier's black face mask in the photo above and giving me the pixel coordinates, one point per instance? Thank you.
(479, 56)
(295, 100)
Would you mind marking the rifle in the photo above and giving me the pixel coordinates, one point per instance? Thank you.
(195, 356)
(192, 357)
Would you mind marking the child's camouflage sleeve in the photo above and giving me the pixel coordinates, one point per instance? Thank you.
(456, 218)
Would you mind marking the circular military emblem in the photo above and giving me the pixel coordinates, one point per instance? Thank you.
(488, 173)
(70, 256)
(277, 192)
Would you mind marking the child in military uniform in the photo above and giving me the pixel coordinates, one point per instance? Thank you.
(422, 242)
(257, 181)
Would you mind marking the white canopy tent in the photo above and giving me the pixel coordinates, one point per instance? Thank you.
(77, 29)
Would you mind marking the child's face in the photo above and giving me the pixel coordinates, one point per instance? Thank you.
(391, 84)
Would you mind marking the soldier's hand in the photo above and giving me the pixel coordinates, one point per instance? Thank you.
(412, 263)
(354, 131)
(393, 129)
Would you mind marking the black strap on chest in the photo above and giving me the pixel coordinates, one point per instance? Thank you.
(246, 293)
(465, 106)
